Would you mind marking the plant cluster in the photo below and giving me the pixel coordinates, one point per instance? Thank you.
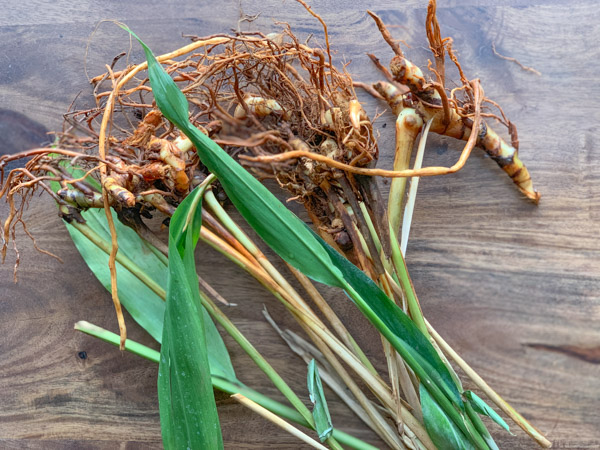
(177, 140)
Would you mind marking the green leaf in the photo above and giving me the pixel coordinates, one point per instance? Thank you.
(480, 427)
(442, 431)
(317, 397)
(188, 411)
(191, 221)
(142, 303)
(146, 308)
(186, 401)
(395, 325)
(483, 408)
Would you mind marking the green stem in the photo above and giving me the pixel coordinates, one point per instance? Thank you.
(112, 338)
(262, 363)
(222, 384)
(417, 367)
(479, 426)
(285, 411)
(386, 261)
(406, 284)
(258, 359)
(370, 226)
(414, 307)
(239, 234)
(212, 202)
(333, 319)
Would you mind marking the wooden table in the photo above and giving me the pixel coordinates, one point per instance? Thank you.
(512, 286)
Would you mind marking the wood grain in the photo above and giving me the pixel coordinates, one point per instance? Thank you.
(505, 282)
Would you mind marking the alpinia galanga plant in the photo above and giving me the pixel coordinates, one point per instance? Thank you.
(282, 110)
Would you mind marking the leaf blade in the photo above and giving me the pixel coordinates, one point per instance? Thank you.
(378, 306)
(480, 406)
(317, 397)
(238, 183)
(443, 432)
(289, 237)
(186, 401)
(146, 308)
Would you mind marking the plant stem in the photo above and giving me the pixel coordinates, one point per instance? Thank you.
(328, 312)
(278, 421)
(227, 386)
(400, 370)
(415, 432)
(254, 354)
(293, 300)
(381, 427)
(261, 362)
(436, 391)
(492, 395)
(285, 290)
(239, 234)
(398, 373)
(414, 308)
(110, 337)
(105, 246)
(285, 411)
(370, 226)
(408, 125)
(412, 193)
(330, 347)
(359, 234)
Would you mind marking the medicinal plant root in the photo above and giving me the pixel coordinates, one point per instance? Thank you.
(286, 113)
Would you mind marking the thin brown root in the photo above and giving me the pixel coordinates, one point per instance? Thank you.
(39, 249)
(445, 104)
(314, 14)
(386, 34)
(111, 225)
(436, 43)
(386, 73)
(368, 88)
(516, 61)
(423, 172)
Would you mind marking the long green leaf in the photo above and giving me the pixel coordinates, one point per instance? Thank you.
(396, 326)
(296, 244)
(187, 406)
(442, 431)
(317, 397)
(146, 308)
(142, 303)
(188, 411)
(282, 230)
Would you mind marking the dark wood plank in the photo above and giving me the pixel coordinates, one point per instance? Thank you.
(513, 287)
